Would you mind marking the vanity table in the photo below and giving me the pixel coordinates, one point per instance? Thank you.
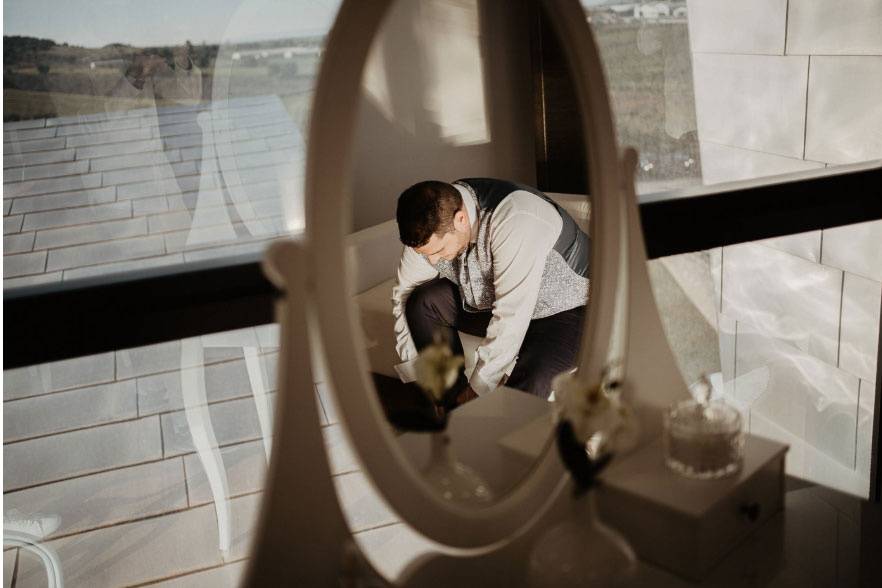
(814, 541)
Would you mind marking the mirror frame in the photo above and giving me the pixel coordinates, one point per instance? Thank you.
(336, 330)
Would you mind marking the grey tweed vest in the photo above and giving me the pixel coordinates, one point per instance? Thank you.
(565, 277)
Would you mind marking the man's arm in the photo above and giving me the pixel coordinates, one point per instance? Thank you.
(413, 270)
(521, 237)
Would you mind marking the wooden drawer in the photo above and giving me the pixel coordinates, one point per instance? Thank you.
(684, 525)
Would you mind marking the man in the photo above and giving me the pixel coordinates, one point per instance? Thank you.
(498, 260)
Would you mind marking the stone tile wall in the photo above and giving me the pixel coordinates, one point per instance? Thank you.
(784, 86)
(99, 460)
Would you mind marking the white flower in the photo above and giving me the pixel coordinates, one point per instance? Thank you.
(627, 434)
(597, 413)
(437, 369)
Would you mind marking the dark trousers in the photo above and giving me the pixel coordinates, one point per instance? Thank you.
(551, 345)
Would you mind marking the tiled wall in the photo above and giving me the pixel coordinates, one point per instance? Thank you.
(784, 86)
(99, 462)
(99, 193)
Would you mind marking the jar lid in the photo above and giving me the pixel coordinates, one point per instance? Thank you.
(703, 416)
(691, 417)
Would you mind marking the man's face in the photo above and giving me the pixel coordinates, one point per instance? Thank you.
(449, 245)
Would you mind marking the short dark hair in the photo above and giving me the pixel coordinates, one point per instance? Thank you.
(425, 209)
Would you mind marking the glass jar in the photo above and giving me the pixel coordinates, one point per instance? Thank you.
(703, 438)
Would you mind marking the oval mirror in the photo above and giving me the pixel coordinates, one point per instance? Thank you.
(477, 262)
(430, 241)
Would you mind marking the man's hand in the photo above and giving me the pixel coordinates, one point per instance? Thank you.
(465, 395)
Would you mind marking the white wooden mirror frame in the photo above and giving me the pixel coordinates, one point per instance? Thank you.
(301, 529)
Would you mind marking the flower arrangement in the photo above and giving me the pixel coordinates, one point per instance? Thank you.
(594, 424)
(436, 372)
(437, 369)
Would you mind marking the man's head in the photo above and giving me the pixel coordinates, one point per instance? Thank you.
(432, 220)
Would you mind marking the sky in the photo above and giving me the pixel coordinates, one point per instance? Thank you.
(95, 23)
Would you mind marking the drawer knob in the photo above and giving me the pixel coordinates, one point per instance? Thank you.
(750, 511)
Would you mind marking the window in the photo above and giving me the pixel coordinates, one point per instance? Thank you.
(711, 92)
(141, 464)
(143, 136)
(645, 51)
(146, 137)
(167, 139)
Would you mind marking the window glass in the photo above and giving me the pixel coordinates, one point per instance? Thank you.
(148, 464)
(788, 331)
(139, 135)
(115, 461)
(713, 91)
(645, 52)
(145, 464)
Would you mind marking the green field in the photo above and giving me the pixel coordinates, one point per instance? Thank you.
(649, 72)
(42, 79)
(25, 104)
(648, 66)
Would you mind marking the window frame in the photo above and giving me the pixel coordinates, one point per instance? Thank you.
(53, 322)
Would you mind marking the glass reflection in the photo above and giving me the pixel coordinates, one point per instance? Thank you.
(113, 461)
(138, 137)
(644, 47)
(796, 316)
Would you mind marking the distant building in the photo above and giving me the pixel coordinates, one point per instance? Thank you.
(630, 11)
(284, 52)
(652, 11)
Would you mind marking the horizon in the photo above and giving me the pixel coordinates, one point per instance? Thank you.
(303, 35)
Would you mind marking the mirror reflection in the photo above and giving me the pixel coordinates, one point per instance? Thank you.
(470, 282)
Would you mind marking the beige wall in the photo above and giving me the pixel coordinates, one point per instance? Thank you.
(447, 94)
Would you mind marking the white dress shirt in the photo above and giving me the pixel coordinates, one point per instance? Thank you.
(523, 231)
